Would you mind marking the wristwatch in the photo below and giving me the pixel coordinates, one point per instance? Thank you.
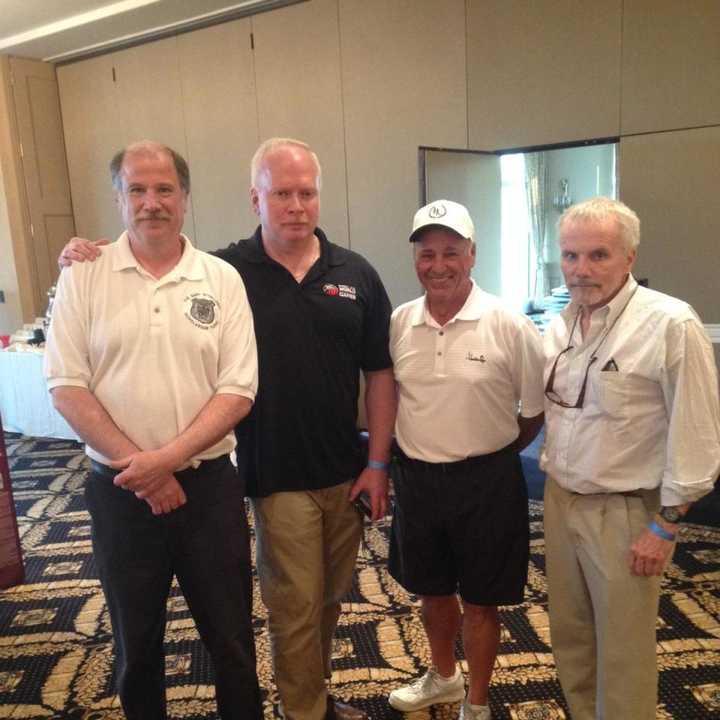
(670, 513)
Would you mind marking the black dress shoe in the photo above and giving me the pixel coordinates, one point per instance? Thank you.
(337, 710)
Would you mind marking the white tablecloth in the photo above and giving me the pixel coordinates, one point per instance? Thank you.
(25, 402)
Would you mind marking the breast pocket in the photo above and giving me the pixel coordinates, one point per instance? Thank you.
(611, 389)
(618, 393)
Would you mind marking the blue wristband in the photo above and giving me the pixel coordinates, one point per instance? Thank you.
(661, 532)
(377, 465)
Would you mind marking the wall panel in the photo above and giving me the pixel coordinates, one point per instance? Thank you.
(367, 83)
(542, 72)
(671, 180)
(297, 65)
(220, 115)
(107, 102)
(671, 64)
(89, 104)
(403, 66)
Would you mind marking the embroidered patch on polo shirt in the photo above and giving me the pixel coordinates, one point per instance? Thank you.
(345, 291)
(201, 310)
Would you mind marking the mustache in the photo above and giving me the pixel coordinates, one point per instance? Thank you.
(155, 216)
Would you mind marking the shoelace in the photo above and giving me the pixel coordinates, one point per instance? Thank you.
(422, 682)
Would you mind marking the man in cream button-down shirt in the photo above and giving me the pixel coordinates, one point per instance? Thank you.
(632, 439)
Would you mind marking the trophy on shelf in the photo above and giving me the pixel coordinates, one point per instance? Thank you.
(40, 328)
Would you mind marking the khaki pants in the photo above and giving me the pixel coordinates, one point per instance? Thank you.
(602, 618)
(306, 551)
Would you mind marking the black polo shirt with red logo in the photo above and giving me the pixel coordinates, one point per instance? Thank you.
(313, 338)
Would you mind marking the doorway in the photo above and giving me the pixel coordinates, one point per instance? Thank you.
(515, 198)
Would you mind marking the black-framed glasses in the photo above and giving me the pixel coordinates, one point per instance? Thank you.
(550, 392)
(552, 395)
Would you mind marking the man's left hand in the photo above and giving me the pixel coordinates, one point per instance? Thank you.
(143, 471)
(649, 554)
(375, 484)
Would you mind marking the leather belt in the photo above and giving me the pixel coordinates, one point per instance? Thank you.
(205, 466)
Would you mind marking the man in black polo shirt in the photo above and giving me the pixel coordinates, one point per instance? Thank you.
(321, 315)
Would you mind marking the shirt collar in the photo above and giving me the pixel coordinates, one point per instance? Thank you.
(330, 255)
(471, 309)
(188, 266)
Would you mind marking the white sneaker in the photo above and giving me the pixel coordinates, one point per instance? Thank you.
(431, 688)
(467, 713)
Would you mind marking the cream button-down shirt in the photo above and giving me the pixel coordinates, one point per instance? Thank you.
(651, 414)
(461, 385)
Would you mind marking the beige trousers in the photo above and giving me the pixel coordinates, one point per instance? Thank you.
(307, 544)
(602, 618)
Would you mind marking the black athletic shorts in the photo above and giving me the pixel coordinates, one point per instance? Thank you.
(461, 527)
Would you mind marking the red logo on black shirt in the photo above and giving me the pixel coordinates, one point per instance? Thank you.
(340, 290)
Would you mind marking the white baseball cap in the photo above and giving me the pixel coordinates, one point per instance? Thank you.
(444, 213)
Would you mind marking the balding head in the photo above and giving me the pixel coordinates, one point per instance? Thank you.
(273, 145)
(149, 147)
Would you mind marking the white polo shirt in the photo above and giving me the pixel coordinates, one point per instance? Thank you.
(153, 351)
(651, 415)
(461, 385)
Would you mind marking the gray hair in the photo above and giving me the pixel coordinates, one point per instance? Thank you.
(149, 147)
(277, 143)
(599, 209)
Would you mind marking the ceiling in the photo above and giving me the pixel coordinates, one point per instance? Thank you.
(62, 30)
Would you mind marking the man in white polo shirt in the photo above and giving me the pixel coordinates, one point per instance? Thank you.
(151, 358)
(469, 375)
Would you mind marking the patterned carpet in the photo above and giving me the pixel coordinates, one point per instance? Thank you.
(55, 642)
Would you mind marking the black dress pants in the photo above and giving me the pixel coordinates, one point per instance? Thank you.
(205, 543)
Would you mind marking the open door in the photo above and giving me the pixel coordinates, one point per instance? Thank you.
(473, 179)
(517, 254)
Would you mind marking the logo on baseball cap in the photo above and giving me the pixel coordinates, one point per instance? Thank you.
(443, 213)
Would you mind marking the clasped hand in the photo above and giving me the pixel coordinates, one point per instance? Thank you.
(150, 476)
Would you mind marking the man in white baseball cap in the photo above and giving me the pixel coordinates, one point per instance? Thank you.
(469, 374)
(444, 214)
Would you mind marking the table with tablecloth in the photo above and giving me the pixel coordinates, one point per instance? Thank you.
(25, 403)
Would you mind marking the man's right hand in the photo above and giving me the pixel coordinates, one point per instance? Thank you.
(165, 495)
(80, 250)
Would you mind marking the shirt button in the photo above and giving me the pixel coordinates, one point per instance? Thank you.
(441, 333)
(439, 353)
(157, 309)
